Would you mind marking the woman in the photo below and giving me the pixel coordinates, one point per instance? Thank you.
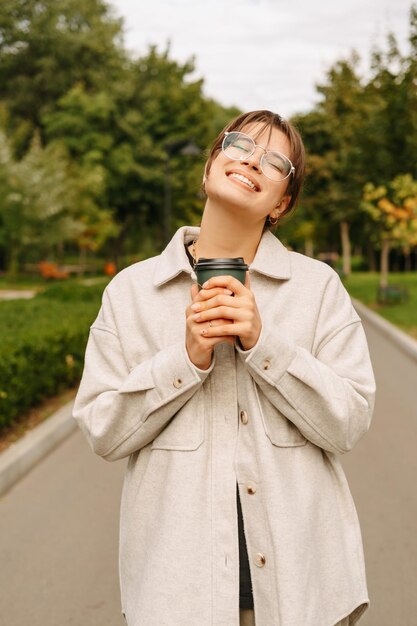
(254, 389)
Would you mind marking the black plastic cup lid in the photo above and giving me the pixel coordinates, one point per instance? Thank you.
(235, 263)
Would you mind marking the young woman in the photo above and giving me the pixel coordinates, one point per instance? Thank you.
(233, 404)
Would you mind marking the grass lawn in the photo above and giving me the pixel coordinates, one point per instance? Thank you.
(363, 286)
(25, 282)
(37, 283)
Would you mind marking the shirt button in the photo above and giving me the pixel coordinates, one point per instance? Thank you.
(177, 383)
(260, 560)
(266, 364)
(251, 489)
(244, 417)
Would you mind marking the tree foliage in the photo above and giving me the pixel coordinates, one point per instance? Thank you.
(130, 130)
(67, 83)
(100, 135)
(46, 47)
(363, 130)
(393, 209)
(45, 203)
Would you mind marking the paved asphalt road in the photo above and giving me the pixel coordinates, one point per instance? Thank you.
(59, 540)
(382, 473)
(59, 525)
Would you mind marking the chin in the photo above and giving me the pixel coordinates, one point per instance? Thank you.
(231, 199)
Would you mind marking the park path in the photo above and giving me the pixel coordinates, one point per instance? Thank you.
(382, 473)
(59, 541)
(59, 525)
(17, 294)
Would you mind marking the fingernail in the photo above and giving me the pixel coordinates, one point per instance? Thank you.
(196, 317)
(228, 292)
(205, 285)
(196, 306)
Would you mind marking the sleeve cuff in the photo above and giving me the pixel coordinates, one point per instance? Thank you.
(270, 357)
(170, 371)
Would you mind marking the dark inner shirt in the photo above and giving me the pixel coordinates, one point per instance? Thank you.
(245, 583)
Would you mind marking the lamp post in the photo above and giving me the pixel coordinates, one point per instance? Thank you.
(185, 147)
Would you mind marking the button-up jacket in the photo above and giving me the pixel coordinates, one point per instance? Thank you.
(273, 419)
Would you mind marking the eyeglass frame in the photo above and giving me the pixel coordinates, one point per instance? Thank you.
(247, 156)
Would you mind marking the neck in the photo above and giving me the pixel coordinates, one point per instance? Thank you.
(224, 234)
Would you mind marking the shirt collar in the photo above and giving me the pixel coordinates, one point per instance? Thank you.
(272, 258)
(173, 260)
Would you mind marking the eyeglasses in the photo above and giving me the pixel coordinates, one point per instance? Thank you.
(239, 147)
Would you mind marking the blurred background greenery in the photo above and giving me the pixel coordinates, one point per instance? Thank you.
(101, 160)
(89, 136)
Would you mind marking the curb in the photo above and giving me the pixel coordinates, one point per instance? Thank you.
(22, 456)
(404, 342)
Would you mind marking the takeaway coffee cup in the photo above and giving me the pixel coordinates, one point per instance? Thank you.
(206, 268)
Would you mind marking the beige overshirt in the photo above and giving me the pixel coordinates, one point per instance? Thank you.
(274, 419)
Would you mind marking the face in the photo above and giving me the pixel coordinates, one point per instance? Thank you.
(243, 185)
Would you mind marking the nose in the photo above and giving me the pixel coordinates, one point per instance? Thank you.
(254, 160)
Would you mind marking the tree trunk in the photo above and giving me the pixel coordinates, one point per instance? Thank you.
(13, 264)
(119, 244)
(407, 260)
(82, 260)
(309, 247)
(346, 248)
(383, 278)
(371, 257)
(60, 252)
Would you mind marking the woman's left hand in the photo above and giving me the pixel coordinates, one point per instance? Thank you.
(241, 309)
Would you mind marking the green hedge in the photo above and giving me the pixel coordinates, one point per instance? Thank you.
(43, 344)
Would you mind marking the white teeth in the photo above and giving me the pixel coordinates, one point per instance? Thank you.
(244, 180)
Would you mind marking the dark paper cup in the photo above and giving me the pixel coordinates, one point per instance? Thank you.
(207, 268)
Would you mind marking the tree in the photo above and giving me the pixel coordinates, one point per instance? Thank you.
(129, 131)
(361, 131)
(44, 204)
(48, 46)
(65, 78)
(309, 225)
(345, 109)
(389, 142)
(393, 208)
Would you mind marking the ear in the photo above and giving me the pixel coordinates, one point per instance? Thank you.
(282, 206)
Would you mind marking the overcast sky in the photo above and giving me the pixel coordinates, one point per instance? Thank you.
(263, 53)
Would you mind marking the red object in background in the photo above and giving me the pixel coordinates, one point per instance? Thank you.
(110, 269)
(51, 270)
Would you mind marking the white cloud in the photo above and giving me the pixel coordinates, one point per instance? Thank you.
(262, 53)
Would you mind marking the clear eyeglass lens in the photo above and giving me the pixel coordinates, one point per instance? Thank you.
(239, 146)
(275, 166)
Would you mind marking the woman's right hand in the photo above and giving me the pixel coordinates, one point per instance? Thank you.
(200, 348)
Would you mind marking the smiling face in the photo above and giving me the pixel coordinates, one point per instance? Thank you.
(242, 185)
(267, 120)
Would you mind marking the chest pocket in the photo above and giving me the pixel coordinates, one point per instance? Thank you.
(186, 429)
(278, 428)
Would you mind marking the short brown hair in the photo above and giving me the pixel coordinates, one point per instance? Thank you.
(297, 153)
